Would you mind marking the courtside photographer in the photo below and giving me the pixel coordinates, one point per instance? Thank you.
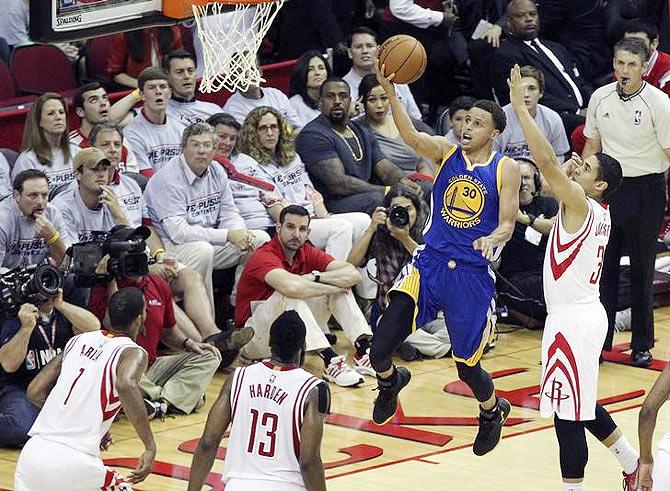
(391, 238)
(36, 324)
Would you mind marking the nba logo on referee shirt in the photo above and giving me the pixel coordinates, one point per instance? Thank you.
(638, 117)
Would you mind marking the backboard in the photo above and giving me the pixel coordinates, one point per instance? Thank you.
(67, 20)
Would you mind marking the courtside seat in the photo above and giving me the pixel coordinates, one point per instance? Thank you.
(40, 68)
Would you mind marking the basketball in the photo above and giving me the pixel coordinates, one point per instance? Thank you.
(404, 56)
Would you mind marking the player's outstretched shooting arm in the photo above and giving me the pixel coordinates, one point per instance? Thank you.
(431, 147)
(570, 193)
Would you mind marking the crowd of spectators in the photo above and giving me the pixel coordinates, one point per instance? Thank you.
(282, 201)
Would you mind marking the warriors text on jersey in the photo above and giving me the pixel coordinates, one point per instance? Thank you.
(464, 206)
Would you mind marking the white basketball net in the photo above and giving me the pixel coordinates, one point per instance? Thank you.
(230, 37)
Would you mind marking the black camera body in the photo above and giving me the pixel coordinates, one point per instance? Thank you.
(34, 284)
(127, 257)
(398, 215)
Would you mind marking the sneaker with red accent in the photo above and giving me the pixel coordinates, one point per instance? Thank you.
(665, 230)
(362, 364)
(340, 373)
(629, 480)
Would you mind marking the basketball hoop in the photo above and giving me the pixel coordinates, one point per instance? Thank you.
(229, 42)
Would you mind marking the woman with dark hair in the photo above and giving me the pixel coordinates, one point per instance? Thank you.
(46, 145)
(265, 137)
(378, 118)
(134, 51)
(392, 246)
(309, 72)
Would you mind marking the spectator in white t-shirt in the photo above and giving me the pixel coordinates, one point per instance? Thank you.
(240, 104)
(45, 145)
(191, 205)
(30, 228)
(183, 107)
(88, 205)
(153, 135)
(309, 72)
(91, 104)
(196, 320)
(265, 136)
(362, 49)
(258, 201)
(512, 141)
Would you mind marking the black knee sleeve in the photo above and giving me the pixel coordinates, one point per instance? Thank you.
(477, 379)
(394, 326)
(574, 453)
(603, 426)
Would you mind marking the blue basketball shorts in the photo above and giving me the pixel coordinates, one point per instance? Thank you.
(465, 293)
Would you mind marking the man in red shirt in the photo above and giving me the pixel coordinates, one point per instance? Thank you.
(290, 273)
(172, 382)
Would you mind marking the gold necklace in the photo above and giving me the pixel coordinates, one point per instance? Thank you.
(358, 143)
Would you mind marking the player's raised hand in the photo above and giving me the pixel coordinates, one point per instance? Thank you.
(644, 482)
(516, 96)
(144, 466)
(486, 245)
(385, 82)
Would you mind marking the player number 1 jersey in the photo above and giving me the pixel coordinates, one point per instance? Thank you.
(82, 405)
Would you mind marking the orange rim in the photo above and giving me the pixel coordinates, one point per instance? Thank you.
(226, 2)
(182, 9)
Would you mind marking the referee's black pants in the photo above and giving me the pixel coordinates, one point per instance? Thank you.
(637, 210)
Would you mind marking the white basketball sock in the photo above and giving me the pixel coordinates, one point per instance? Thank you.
(573, 486)
(625, 454)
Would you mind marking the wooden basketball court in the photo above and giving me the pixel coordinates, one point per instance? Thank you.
(428, 446)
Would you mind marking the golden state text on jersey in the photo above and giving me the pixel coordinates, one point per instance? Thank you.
(464, 206)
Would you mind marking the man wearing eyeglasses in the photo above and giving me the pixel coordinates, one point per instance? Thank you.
(192, 209)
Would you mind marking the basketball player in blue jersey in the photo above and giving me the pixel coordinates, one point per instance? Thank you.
(474, 205)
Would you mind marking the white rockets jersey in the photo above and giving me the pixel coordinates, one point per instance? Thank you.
(267, 407)
(573, 262)
(82, 405)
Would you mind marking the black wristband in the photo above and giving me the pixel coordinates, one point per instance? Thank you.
(531, 219)
(183, 345)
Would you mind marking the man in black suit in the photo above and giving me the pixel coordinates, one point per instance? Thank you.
(578, 25)
(565, 90)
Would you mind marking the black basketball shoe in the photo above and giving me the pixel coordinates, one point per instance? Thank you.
(490, 428)
(386, 403)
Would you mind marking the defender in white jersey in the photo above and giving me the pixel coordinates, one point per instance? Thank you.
(576, 322)
(80, 392)
(277, 411)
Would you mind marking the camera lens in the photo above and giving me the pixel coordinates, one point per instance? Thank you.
(46, 280)
(398, 216)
